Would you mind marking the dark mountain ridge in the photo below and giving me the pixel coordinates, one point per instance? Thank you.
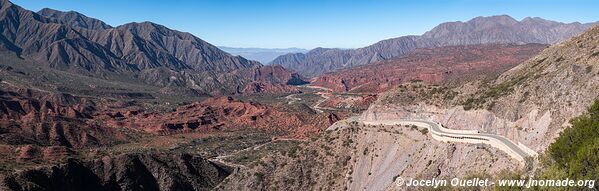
(143, 52)
(75, 19)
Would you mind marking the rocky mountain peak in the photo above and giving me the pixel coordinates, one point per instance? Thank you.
(318, 50)
(140, 26)
(505, 20)
(5, 3)
(74, 19)
(536, 19)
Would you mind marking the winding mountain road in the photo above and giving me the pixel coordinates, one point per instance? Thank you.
(516, 150)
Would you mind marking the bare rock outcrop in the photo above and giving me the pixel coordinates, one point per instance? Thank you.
(32, 117)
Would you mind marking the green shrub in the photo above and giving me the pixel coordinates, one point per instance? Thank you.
(575, 151)
(259, 176)
(424, 131)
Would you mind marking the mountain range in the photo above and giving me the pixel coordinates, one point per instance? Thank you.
(500, 29)
(143, 52)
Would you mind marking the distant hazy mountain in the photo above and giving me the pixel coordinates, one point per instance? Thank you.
(481, 30)
(262, 55)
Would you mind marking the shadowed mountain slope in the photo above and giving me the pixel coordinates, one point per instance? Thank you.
(142, 52)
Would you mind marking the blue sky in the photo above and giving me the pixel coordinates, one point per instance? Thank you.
(312, 23)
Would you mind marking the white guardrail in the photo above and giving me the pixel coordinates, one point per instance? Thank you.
(517, 151)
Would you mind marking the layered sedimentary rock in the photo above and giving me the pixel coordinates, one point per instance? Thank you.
(451, 64)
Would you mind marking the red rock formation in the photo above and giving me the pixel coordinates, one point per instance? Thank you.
(48, 119)
(211, 114)
(278, 74)
(435, 65)
(218, 114)
(30, 152)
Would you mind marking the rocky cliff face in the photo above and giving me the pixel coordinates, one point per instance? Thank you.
(556, 85)
(143, 52)
(480, 30)
(357, 157)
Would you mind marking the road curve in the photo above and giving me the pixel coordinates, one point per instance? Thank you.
(438, 132)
